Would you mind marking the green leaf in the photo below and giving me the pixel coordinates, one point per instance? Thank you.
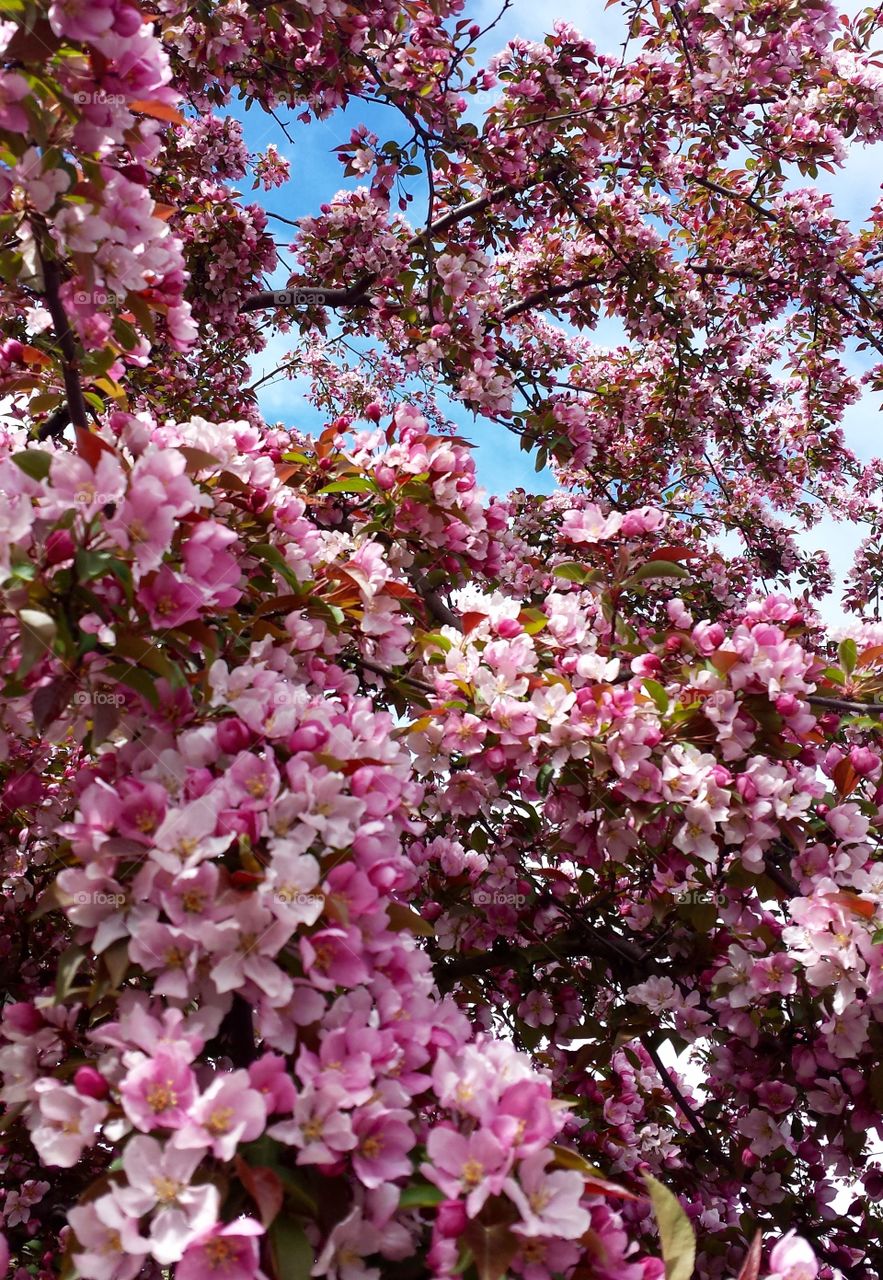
(657, 569)
(573, 572)
(69, 964)
(136, 679)
(676, 1233)
(38, 631)
(420, 1195)
(357, 484)
(291, 1250)
(34, 463)
(544, 779)
(848, 653)
(274, 557)
(658, 694)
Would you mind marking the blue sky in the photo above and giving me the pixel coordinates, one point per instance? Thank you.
(317, 174)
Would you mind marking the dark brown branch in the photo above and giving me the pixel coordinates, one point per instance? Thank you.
(546, 295)
(316, 295)
(395, 676)
(584, 943)
(676, 1093)
(440, 611)
(310, 295)
(76, 404)
(845, 704)
(55, 424)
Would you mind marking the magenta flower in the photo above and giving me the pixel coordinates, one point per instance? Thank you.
(332, 958)
(13, 88)
(226, 1253)
(269, 1076)
(157, 1093)
(169, 600)
(474, 1167)
(384, 1139)
(227, 1113)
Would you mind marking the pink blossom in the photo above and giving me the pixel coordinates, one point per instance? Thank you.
(227, 1113)
(549, 1203)
(111, 1246)
(230, 1250)
(791, 1258)
(65, 1122)
(158, 1091)
(474, 1166)
(159, 1179)
(384, 1139)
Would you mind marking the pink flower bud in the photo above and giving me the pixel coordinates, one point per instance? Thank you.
(864, 761)
(233, 736)
(451, 1218)
(507, 628)
(90, 1083)
(59, 547)
(23, 1017)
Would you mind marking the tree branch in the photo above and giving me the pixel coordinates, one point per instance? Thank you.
(76, 404)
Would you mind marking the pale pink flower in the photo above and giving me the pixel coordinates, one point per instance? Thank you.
(112, 1247)
(792, 1259)
(384, 1139)
(474, 1167)
(227, 1113)
(229, 1251)
(64, 1122)
(549, 1202)
(159, 1179)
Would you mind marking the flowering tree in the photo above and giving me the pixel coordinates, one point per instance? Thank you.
(398, 881)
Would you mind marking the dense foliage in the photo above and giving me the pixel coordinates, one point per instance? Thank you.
(399, 881)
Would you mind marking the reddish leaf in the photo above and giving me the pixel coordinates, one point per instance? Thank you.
(868, 657)
(493, 1248)
(675, 553)
(724, 660)
(845, 777)
(90, 446)
(471, 620)
(157, 110)
(33, 355)
(264, 1187)
(751, 1265)
(50, 700)
(852, 902)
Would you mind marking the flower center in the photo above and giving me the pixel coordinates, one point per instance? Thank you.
(219, 1120)
(160, 1097)
(166, 1190)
